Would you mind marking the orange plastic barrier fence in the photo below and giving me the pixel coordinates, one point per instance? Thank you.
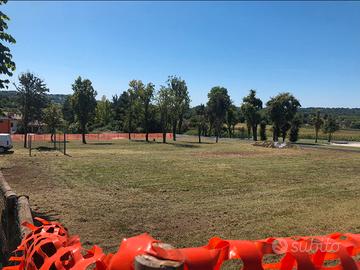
(92, 137)
(50, 247)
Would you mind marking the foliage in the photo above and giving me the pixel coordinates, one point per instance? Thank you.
(295, 127)
(317, 121)
(164, 102)
(218, 105)
(7, 66)
(146, 96)
(251, 108)
(282, 109)
(232, 118)
(31, 92)
(84, 103)
(263, 130)
(180, 101)
(103, 112)
(330, 126)
(52, 118)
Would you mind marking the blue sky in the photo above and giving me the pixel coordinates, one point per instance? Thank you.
(311, 49)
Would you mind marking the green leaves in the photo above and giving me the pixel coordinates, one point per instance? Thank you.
(7, 66)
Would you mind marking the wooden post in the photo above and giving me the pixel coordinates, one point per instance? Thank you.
(9, 218)
(24, 215)
(148, 262)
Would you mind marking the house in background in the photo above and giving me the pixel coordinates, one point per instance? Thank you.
(9, 123)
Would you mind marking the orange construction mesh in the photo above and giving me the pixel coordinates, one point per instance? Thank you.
(92, 137)
(50, 247)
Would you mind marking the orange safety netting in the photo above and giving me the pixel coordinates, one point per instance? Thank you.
(92, 137)
(50, 247)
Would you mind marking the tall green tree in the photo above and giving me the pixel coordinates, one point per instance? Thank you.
(199, 120)
(331, 125)
(31, 92)
(52, 118)
(251, 108)
(318, 123)
(120, 105)
(84, 103)
(164, 102)
(282, 109)
(231, 119)
(180, 102)
(146, 96)
(263, 136)
(68, 110)
(295, 127)
(135, 88)
(218, 104)
(7, 65)
(103, 111)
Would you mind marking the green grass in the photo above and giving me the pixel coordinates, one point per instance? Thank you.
(185, 193)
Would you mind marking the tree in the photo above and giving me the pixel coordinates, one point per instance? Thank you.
(180, 102)
(282, 109)
(146, 95)
(218, 104)
(68, 110)
(251, 108)
(318, 122)
(84, 103)
(120, 105)
(135, 88)
(164, 103)
(263, 130)
(295, 127)
(52, 118)
(330, 126)
(103, 111)
(7, 64)
(31, 92)
(231, 119)
(199, 119)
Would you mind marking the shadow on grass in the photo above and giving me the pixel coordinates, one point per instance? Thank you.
(45, 149)
(7, 153)
(169, 142)
(49, 216)
(101, 143)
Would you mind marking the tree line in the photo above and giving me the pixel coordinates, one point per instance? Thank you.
(142, 108)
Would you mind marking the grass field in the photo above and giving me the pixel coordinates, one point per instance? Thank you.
(184, 193)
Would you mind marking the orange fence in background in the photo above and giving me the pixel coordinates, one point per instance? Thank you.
(49, 247)
(93, 137)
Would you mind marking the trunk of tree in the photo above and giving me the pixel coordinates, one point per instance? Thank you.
(229, 131)
(146, 124)
(180, 123)
(174, 130)
(275, 133)
(329, 138)
(254, 130)
(316, 135)
(25, 139)
(217, 133)
(164, 136)
(248, 132)
(52, 137)
(199, 134)
(83, 138)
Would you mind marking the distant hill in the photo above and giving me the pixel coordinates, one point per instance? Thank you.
(8, 99)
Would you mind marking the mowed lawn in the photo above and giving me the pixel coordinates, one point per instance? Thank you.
(184, 193)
